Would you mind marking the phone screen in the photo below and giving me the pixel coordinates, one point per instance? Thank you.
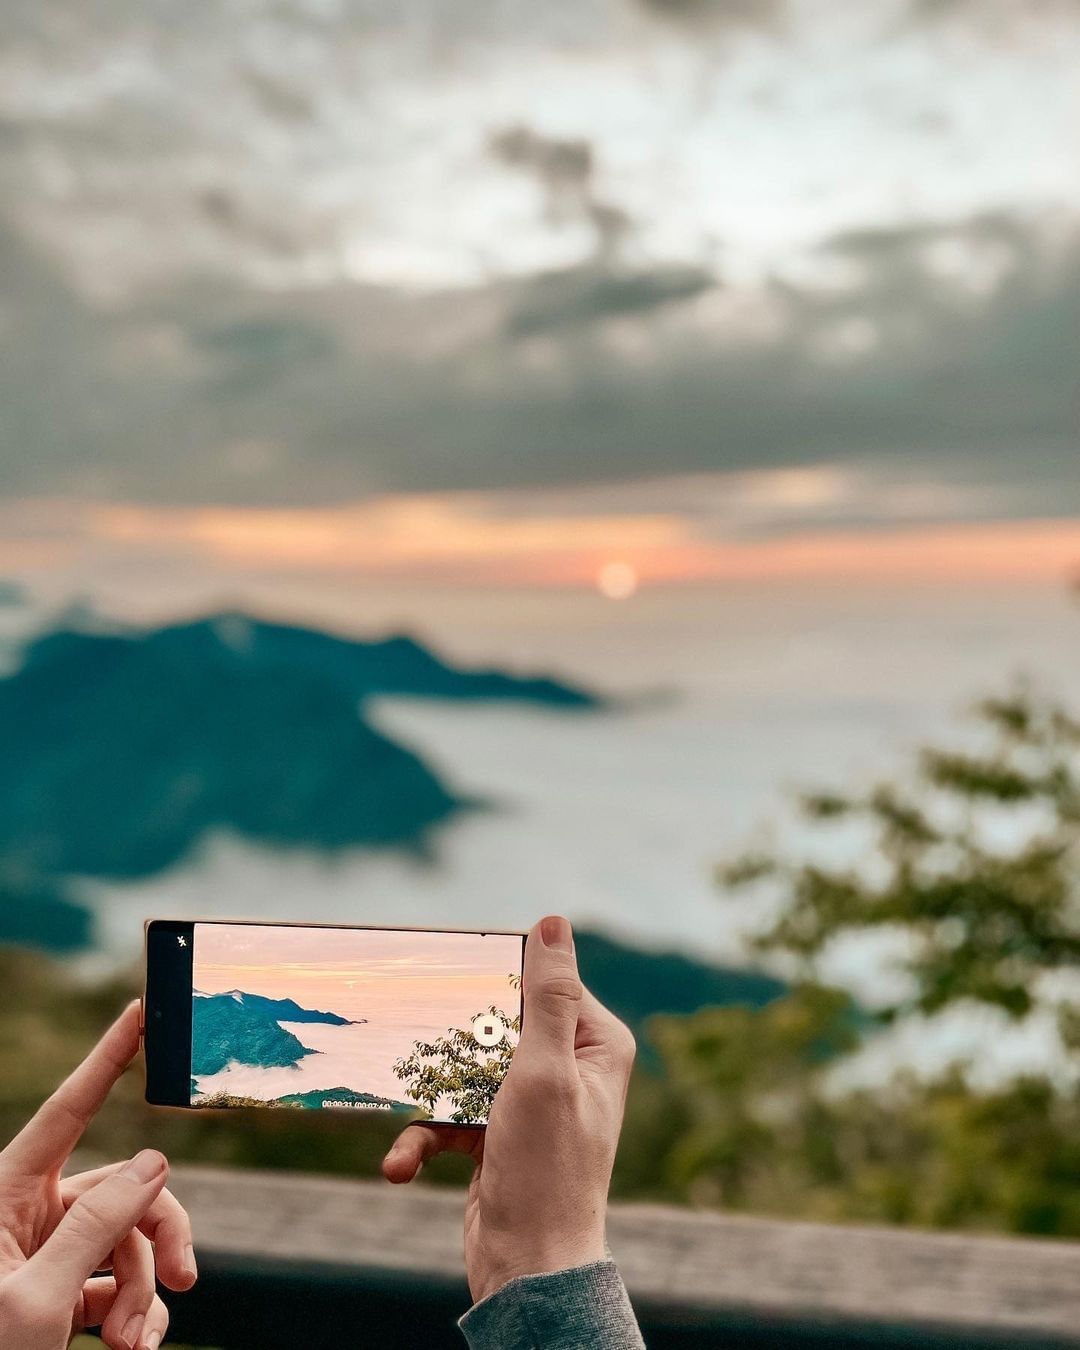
(319, 1018)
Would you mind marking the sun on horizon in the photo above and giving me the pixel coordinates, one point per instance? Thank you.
(617, 580)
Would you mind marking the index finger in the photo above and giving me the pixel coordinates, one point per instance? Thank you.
(46, 1140)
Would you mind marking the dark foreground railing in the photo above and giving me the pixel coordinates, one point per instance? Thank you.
(289, 1261)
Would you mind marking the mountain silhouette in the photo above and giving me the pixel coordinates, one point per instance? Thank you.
(281, 1009)
(224, 1031)
(637, 984)
(38, 913)
(122, 750)
(398, 664)
(244, 1028)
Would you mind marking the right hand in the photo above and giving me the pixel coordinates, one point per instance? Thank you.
(538, 1198)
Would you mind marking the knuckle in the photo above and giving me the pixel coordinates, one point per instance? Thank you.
(558, 1086)
(139, 1291)
(89, 1217)
(177, 1213)
(561, 1089)
(167, 1220)
(547, 1082)
(157, 1319)
(560, 994)
(178, 1228)
(23, 1308)
(87, 1213)
(624, 1045)
(527, 1078)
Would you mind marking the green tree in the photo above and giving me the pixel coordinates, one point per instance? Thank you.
(454, 1066)
(974, 863)
(970, 862)
(749, 1079)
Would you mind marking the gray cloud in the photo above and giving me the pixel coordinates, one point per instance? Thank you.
(935, 9)
(579, 296)
(603, 286)
(949, 349)
(753, 13)
(563, 164)
(565, 168)
(996, 22)
(213, 186)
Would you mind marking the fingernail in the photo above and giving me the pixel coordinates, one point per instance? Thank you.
(557, 933)
(145, 1166)
(153, 1340)
(133, 1330)
(190, 1264)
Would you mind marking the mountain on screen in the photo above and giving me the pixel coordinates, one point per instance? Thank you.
(240, 1028)
(281, 1009)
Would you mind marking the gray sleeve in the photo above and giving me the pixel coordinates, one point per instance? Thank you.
(586, 1308)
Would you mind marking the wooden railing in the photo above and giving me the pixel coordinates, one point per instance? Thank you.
(293, 1261)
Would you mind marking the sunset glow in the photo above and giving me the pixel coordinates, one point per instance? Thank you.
(356, 971)
(476, 539)
(617, 581)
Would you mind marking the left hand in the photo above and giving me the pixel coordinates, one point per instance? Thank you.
(57, 1233)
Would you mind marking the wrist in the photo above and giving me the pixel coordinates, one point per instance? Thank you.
(511, 1261)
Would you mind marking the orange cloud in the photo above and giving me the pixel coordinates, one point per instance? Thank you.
(405, 535)
(550, 539)
(467, 537)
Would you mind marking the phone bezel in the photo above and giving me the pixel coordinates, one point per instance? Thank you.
(166, 1017)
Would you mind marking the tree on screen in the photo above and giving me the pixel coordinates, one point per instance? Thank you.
(457, 1067)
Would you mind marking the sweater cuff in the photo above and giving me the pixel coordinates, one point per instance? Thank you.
(586, 1308)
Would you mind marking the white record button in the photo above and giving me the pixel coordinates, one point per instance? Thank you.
(487, 1029)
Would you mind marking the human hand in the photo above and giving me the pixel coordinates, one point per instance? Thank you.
(538, 1197)
(56, 1233)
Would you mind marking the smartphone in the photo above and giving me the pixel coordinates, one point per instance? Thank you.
(321, 1017)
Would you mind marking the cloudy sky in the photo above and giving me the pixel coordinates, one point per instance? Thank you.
(448, 976)
(491, 291)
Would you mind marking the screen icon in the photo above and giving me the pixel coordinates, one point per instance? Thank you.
(181, 941)
(488, 1029)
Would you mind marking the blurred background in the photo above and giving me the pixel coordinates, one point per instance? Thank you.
(466, 461)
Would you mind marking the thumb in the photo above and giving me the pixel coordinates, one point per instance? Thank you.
(95, 1223)
(552, 990)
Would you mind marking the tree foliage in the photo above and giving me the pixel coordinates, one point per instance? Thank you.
(971, 863)
(976, 863)
(457, 1067)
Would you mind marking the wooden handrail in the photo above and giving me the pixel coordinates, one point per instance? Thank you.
(793, 1281)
